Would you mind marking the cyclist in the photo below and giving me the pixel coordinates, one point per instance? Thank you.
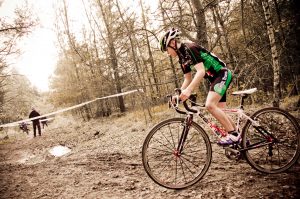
(208, 66)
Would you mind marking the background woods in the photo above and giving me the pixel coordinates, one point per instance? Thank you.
(115, 49)
(15, 90)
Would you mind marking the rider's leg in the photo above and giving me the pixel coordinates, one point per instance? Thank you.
(212, 102)
(222, 105)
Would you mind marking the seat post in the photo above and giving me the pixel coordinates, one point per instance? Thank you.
(243, 97)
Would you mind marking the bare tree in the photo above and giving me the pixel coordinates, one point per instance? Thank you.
(274, 51)
(10, 34)
(150, 59)
(224, 33)
(107, 19)
(129, 26)
(200, 23)
(176, 82)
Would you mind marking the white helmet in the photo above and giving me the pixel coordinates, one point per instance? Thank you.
(167, 37)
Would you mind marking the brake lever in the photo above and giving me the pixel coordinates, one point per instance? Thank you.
(177, 101)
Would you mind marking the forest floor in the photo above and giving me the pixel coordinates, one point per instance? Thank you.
(105, 162)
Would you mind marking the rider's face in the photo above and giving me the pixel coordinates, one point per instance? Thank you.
(170, 48)
(171, 52)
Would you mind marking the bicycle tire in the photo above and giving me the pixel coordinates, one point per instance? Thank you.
(280, 155)
(164, 167)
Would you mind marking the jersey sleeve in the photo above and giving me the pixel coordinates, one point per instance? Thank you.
(186, 67)
(194, 51)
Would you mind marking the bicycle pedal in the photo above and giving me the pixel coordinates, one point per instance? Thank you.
(235, 151)
(232, 154)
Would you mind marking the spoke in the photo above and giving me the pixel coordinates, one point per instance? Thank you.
(174, 145)
(188, 167)
(279, 159)
(162, 144)
(160, 150)
(188, 141)
(190, 161)
(176, 171)
(166, 139)
(166, 165)
(154, 156)
(191, 149)
(196, 144)
(287, 152)
(262, 151)
(196, 150)
(182, 170)
(287, 146)
(283, 157)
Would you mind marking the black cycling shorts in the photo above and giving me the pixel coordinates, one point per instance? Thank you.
(221, 83)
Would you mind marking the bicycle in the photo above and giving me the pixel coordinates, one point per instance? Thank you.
(177, 152)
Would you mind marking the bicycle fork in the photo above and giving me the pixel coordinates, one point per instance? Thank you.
(186, 127)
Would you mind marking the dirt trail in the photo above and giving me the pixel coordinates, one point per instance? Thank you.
(105, 162)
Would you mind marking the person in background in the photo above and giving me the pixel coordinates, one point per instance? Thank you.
(35, 122)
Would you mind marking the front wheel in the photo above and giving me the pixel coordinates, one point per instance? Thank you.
(165, 165)
(273, 144)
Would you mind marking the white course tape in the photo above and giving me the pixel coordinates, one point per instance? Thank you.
(48, 119)
(69, 108)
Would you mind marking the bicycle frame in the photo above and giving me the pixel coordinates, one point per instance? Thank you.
(236, 111)
(215, 128)
(240, 114)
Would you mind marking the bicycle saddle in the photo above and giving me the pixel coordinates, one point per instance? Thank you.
(245, 92)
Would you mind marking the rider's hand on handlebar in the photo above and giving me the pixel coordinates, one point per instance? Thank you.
(185, 94)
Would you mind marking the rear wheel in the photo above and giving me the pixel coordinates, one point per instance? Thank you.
(274, 144)
(165, 165)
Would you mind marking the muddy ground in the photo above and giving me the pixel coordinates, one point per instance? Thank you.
(105, 162)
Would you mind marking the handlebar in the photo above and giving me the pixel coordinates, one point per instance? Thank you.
(185, 104)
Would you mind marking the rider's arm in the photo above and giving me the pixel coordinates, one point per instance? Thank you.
(187, 80)
(195, 82)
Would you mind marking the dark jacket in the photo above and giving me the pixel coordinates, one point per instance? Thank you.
(34, 113)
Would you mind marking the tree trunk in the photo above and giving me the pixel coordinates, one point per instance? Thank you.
(113, 57)
(274, 51)
(79, 78)
(170, 58)
(226, 40)
(135, 62)
(200, 23)
(151, 60)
